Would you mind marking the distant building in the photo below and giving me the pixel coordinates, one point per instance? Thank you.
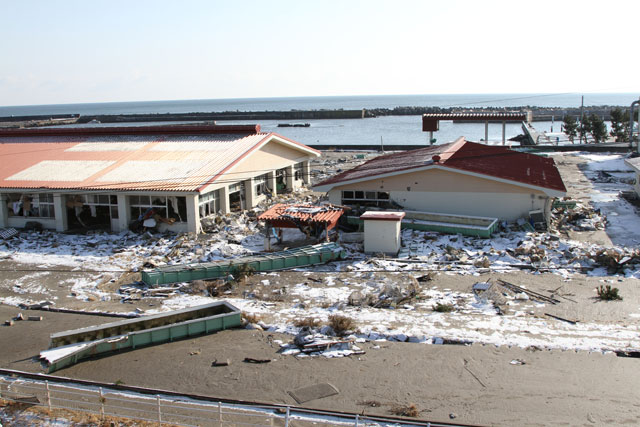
(462, 178)
(72, 177)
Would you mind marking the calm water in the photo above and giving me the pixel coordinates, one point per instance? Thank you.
(326, 102)
(392, 129)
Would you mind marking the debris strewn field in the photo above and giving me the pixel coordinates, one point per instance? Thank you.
(532, 290)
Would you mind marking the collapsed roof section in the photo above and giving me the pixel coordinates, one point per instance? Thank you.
(292, 216)
(492, 162)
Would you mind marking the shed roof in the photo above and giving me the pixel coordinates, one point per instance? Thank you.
(290, 215)
(493, 162)
(129, 160)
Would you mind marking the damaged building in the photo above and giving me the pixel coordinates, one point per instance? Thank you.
(460, 178)
(111, 177)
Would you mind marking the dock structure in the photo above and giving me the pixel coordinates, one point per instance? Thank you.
(69, 347)
(292, 258)
(431, 121)
(533, 135)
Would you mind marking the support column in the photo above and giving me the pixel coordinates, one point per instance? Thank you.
(4, 211)
(504, 131)
(306, 172)
(486, 132)
(124, 213)
(272, 183)
(193, 214)
(288, 172)
(430, 137)
(249, 194)
(60, 211)
(225, 207)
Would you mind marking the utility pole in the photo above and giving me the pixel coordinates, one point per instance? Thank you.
(582, 119)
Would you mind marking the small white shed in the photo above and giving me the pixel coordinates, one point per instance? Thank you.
(382, 232)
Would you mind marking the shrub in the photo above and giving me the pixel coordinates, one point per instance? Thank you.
(410, 410)
(341, 324)
(443, 308)
(607, 293)
(241, 272)
(307, 321)
(250, 317)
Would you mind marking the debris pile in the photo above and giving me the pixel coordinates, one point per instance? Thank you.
(615, 260)
(309, 342)
(578, 218)
(389, 295)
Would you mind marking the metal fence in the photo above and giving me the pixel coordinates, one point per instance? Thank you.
(175, 410)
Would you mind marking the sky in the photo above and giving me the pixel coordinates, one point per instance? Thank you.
(106, 51)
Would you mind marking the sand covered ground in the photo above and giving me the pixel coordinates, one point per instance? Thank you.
(478, 384)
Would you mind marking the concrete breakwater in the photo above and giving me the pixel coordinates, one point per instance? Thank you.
(227, 115)
(539, 114)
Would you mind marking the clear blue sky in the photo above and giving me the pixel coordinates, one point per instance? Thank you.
(96, 51)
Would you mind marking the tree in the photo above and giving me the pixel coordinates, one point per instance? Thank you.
(619, 124)
(584, 128)
(570, 127)
(598, 128)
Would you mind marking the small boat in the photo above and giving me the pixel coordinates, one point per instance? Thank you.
(294, 125)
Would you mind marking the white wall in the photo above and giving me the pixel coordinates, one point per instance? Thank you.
(453, 193)
(381, 237)
(20, 221)
(508, 207)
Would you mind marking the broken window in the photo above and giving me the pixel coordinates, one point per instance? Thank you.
(91, 210)
(31, 205)
(365, 198)
(297, 171)
(165, 206)
(209, 203)
(260, 184)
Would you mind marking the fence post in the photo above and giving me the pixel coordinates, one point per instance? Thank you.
(159, 408)
(46, 384)
(286, 418)
(101, 404)
(356, 420)
(220, 412)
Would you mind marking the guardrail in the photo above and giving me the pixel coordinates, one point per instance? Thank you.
(170, 407)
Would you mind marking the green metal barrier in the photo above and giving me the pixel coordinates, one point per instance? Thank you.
(144, 331)
(441, 227)
(292, 258)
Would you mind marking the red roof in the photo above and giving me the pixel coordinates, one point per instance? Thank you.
(490, 160)
(288, 216)
(133, 158)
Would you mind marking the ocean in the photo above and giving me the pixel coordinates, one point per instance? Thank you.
(391, 130)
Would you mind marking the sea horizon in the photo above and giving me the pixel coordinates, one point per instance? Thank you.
(333, 102)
